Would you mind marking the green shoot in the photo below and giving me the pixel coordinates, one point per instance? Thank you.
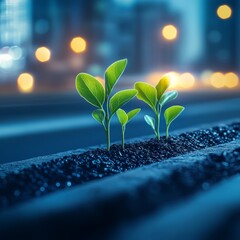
(171, 114)
(93, 92)
(155, 98)
(125, 118)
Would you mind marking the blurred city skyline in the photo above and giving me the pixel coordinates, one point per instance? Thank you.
(44, 44)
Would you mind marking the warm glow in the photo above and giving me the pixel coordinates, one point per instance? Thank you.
(78, 45)
(169, 32)
(175, 79)
(187, 80)
(205, 77)
(154, 78)
(224, 12)
(231, 80)
(217, 80)
(25, 82)
(43, 54)
(101, 80)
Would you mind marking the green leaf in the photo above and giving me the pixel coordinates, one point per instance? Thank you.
(162, 86)
(120, 98)
(122, 116)
(99, 116)
(146, 93)
(167, 97)
(113, 73)
(150, 121)
(172, 113)
(133, 113)
(90, 89)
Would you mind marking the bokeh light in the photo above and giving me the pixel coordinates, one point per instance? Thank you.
(5, 61)
(205, 77)
(231, 80)
(187, 80)
(43, 54)
(217, 80)
(78, 45)
(15, 52)
(224, 12)
(25, 82)
(170, 32)
(175, 79)
(154, 77)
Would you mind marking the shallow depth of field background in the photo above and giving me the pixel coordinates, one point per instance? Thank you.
(45, 43)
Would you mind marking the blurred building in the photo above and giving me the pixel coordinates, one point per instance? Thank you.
(15, 36)
(134, 32)
(221, 38)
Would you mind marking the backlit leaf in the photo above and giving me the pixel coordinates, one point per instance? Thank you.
(133, 113)
(162, 86)
(146, 93)
(150, 121)
(172, 113)
(122, 116)
(167, 97)
(120, 98)
(113, 73)
(99, 115)
(90, 89)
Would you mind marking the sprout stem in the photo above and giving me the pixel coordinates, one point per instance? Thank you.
(108, 119)
(123, 136)
(158, 116)
(108, 134)
(167, 131)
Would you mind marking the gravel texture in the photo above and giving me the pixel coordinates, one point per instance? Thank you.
(76, 169)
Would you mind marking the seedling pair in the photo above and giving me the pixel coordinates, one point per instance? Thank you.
(100, 97)
(156, 98)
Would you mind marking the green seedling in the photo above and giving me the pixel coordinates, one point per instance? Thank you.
(93, 92)
(125, 118)
(171, 114)
(156, 98)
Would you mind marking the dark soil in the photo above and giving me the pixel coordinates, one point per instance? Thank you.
(76, 169)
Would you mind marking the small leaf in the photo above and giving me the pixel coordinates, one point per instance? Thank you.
(99, 115)
(172, 113)
(146, 93)
(150, 121)
(167, 97)
(120, 98)
(90, 89)
(113, 73)
(162, 86)
(122, 116)
(133, 113)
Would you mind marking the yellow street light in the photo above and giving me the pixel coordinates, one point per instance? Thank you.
(224, 12)
(154, 77)
(231, 80)
(170, 32)
(25, 82)
(43, 54)
(78, 45)
(175, 79)
(217, 80)
(187, 80)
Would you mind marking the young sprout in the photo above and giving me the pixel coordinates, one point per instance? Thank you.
(125, 118)
(171, 114)
(156, 98)
(93, 92)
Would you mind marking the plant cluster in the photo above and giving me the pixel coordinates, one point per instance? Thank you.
(107, 104)
(156, 98)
